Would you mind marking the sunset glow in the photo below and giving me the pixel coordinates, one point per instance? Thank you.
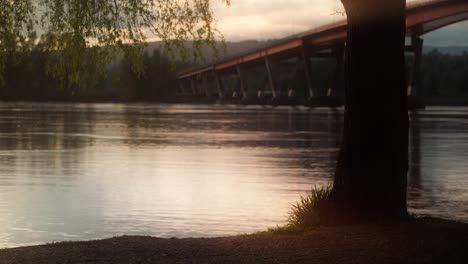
(268, 19)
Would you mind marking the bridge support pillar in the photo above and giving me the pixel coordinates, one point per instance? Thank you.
(340, 55)
(307, 70)
(415, 75)
(193, 85)
(235, 83)
(291, 89)
(242, 82)
(270, 77)
(219, 85)
(181, 86)
(206, 86)
(263, 88)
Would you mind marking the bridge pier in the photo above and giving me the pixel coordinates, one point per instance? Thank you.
(292, 93)
(219, 85)
(231, 86)
(236, 88)
(305, 59)
(263, 87)
(271, 81)
(242, 82)
(286, 90)
(193, 85)
(181, 86)
(414, 90)
(206, 85)
(414, 76)
(340, 55)
(200, 88)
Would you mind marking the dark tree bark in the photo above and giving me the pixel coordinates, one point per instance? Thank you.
(370, 180)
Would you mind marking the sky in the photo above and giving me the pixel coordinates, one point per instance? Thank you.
(267, 19)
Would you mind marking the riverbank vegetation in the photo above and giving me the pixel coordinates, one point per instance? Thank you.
(80, 40)
(27, 78)
(443, 78)
(314, 209)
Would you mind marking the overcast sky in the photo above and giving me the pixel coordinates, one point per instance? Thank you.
(266, 19)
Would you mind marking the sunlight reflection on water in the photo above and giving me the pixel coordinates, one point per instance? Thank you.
(86, 171)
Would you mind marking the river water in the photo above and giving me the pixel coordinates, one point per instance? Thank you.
(88, 171)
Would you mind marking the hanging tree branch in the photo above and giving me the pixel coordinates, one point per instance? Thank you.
(86, 34)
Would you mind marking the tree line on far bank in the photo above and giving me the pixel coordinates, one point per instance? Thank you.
(26, 78)
(443, 79)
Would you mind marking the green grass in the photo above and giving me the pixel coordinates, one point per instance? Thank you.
(313, 210)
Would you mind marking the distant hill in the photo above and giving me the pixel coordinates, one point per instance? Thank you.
(232, 48)
(452, 50)
(235, 48)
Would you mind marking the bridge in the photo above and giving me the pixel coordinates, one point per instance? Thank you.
(270, 74)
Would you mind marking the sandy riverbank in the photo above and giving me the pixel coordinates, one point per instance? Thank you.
(418, 241)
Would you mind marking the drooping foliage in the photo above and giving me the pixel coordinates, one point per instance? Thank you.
(87, 34)
(16, 21)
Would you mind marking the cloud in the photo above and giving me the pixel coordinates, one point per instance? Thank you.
(266, 19)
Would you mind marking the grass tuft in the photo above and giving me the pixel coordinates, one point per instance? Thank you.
(313, 210)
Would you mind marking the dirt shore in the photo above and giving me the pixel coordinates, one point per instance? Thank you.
(418, 241)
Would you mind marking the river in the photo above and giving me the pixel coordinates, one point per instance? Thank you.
(90, 171)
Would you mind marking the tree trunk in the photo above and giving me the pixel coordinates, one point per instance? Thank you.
(371, 175)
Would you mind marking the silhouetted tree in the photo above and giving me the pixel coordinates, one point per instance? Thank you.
(370, 180)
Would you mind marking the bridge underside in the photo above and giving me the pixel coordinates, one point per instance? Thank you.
(437, 24)
(306, 68)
